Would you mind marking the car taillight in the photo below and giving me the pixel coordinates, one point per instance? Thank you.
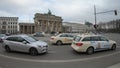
(79, 44)
(52, 38)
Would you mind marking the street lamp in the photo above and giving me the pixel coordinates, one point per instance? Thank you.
(95, 15)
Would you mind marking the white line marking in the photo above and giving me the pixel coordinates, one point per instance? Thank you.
(58, 61)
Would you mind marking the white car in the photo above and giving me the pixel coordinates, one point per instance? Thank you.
(24, 43)
(92, 43)
(62, 39)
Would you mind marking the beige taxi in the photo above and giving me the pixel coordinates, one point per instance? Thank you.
(91, 43)
(62, 39)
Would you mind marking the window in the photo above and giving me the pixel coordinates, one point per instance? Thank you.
(77, 38)
(4, 23)
(8, 26)
(103, 39)
(31, 39)
(95, 38)
(63, 35)
(19, 39)
(86, 39)
(70, 36)
(12, 39)
(3, 27)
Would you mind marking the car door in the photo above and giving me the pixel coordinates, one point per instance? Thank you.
(21, 46)
(87, 42)
(104, 43)
(69, 38)
(95, 42)
(11, 42)
(63, 38)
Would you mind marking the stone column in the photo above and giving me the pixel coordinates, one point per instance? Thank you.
(42, 25)
(23, 31)
(31, 29)
(60, 29)
(52, 26)
(27, 29)
(46, 26)
(57, 26)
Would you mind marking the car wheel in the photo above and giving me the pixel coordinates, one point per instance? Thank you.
(113, 47)
(90, 50)
(7, 48)
(33, 52)
(59, 42)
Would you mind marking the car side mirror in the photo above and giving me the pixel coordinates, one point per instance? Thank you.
(24, 42)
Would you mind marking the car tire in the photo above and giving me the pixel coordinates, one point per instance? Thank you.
(33, 51)
(59, 42)
(90, 50)
(113, 47)
(7, 48)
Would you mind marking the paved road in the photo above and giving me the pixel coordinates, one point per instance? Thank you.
(61, 57)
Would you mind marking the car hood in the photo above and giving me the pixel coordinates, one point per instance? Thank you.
(40, 43)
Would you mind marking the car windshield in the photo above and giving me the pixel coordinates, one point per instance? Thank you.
(77, 38)
(31, 39)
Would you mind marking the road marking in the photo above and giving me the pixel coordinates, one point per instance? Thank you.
(58, 61)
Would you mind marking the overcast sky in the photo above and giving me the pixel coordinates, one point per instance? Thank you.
(70, 10)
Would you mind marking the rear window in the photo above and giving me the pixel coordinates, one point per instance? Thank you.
(77, 38)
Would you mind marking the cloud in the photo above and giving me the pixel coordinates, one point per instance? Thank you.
(69, 10)
(4, 13)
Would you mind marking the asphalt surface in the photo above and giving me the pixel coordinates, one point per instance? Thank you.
(62, 57)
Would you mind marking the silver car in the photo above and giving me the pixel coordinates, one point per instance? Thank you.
(24, 43)
(2, 36)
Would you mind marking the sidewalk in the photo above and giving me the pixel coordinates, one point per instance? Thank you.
(115, 66)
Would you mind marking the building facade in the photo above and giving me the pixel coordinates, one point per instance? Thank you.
(76, 27)
(27, 28)
(66, 29)
(112, 26)
(47, 23)
(9, 25)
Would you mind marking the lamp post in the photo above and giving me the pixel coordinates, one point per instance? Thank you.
(95, 15)
(48, 29)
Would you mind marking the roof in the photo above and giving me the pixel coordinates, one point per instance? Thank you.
(21, 35)
(87, 35)
(26, 23)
